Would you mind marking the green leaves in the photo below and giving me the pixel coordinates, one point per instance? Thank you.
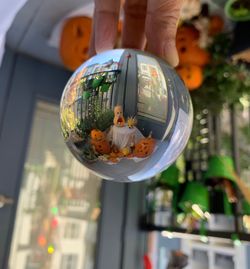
(225, 82)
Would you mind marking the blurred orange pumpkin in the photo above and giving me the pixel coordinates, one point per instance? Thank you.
(186, 33)
(192, 54)
(144, 147)
(216, 25)
(191, 75)
(74, 44)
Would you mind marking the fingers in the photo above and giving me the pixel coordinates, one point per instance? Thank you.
(105, 25)
(133, 35)
(92, 50)
(161, 25)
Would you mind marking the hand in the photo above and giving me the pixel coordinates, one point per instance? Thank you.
(145, 21)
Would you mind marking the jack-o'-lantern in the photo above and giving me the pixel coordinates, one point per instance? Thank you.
(192, 54)
(144, 148)
(97, 135)
(186, 34)
(74, 43)
(144, 96)
(191, 75)
(99, 142)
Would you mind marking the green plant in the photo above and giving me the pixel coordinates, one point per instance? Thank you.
(225, 81)
(105, 120)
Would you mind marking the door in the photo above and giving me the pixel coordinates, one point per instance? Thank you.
(51, 205)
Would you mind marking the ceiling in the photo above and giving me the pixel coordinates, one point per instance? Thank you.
(32, 27)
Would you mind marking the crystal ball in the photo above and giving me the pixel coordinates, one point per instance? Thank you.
(126, 115)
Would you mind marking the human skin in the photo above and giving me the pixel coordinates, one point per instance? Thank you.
(151, 22)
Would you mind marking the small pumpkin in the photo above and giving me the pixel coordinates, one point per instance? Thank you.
(192, 54)
(144, 147)
(216, 25)
(97, 135)
(185, 34)
(74, 43)
(191, 75)
(101, 147)
(99, 142)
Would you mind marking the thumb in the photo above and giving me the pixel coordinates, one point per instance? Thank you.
(161, 25)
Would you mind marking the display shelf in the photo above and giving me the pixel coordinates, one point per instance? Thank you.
(218, 234)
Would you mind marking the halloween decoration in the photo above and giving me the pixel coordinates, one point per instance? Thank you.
(192, 57)
(238, 10)
(191, 74)
(74, 42)
(192, 54)
(216, 25)
(221, 171)
(195, 200)
(170, 176)
(126, 115)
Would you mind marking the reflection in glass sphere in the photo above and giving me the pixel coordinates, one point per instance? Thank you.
(126, 115)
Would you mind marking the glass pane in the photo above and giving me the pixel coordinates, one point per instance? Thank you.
(226, 134)
(243, 121)
(58, 208)
(151, 83)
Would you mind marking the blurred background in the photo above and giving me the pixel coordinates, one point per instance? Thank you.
(54, 214)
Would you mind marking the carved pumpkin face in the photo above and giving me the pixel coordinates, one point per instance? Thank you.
(186, 34)
(97, 135)
(74, 42)
(144, 147)
(191, 75)
(192, 54)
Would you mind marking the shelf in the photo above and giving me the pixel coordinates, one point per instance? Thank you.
(217, 234)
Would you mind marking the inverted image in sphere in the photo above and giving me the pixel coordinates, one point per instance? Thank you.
(126, 115)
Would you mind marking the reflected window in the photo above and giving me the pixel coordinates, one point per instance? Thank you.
(72, 230)
(152, 89)
(69, 261)
(58, 205)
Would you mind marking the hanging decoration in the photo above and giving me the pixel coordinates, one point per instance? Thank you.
(74, 44)
(75, 39)
(126, 115)
(238, 10)
(213, 78)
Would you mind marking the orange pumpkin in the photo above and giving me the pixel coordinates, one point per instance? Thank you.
(191, 75)
(97, 135)
(192, 54)
(74, 44)
(99, 142)
(186, 34)
(216, 25)
(144, 147)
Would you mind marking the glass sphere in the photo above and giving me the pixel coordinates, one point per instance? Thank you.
(126, 115)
